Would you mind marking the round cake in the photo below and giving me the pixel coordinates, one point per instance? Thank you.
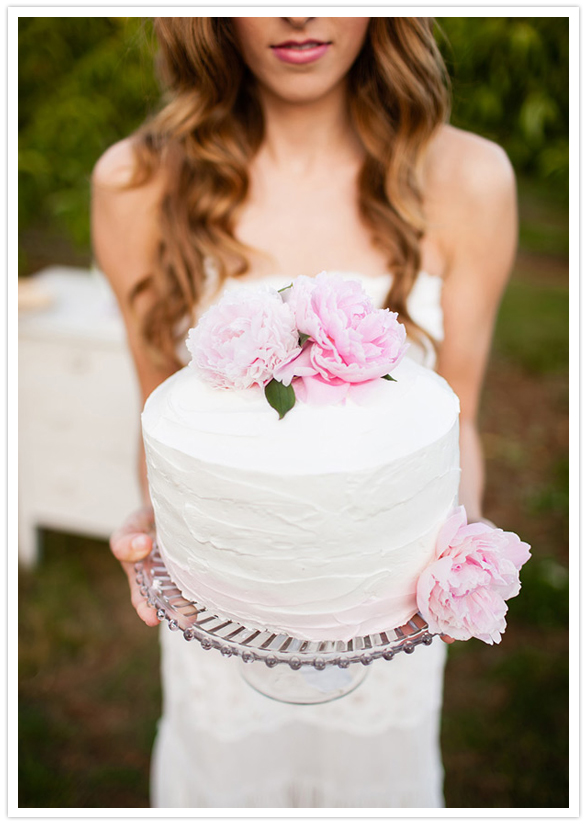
(316, 525)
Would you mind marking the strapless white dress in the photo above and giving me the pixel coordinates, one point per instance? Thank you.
(220, 744)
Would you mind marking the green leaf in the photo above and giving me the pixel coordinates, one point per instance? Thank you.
(303, 338)
(283, 288)
(280, 397)
(388, 377)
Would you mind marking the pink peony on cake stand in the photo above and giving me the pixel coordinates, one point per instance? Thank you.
(317, 672)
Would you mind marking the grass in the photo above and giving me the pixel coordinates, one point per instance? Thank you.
(506, 741)
(532, 328)
(505, 721)
(544, 218)
(89, 689)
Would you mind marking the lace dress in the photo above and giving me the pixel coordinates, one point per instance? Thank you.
(220, 744)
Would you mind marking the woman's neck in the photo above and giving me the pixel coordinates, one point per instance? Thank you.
(305, 137)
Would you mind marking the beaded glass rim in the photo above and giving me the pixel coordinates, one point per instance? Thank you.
(232, 638)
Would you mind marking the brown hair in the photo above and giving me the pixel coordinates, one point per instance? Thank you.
(212, 125)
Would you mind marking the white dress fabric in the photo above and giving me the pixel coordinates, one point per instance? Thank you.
(220, 744)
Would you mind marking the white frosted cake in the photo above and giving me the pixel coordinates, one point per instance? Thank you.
(317, 525)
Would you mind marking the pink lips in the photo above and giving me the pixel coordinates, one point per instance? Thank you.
(299, 52)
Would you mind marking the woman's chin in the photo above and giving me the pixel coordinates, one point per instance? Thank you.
(302, 88)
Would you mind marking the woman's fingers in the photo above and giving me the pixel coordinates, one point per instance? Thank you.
(139, 602)
(448, 639)
(130, 546)
(133, 540)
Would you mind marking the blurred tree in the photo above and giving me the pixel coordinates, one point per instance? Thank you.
(85, 82)
(510, 83)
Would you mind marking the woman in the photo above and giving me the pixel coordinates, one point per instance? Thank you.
(295, 145)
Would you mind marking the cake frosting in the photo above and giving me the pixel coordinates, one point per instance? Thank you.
(317, 525)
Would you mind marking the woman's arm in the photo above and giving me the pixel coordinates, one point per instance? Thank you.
(477, 229)
(125, 239)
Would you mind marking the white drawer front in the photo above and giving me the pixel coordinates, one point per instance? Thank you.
(79, 422)
(96, 381)
(79, 490)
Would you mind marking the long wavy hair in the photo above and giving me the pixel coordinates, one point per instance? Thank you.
(211, 125)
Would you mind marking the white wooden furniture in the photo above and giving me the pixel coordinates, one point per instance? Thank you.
(79, 412)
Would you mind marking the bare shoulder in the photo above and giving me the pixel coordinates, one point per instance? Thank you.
(114, 172)
(462, 167)
(115, 168)
(470, 203)
(125, 225)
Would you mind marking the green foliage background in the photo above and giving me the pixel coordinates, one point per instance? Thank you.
(510, 84)
(85, 82)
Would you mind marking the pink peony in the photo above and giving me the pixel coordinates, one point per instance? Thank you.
(477, 567)
(349, 342)
(242, 339)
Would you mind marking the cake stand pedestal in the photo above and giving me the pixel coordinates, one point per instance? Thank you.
(317, 672)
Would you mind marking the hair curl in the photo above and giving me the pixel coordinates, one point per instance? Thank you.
(212, 125)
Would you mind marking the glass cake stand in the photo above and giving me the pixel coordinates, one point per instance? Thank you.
(317, 672)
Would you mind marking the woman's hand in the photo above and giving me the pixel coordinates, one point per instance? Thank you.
(131, 543)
